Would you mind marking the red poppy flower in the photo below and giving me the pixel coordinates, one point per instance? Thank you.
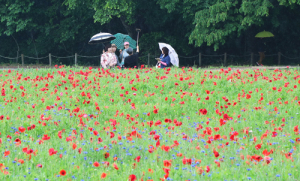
(95, 133)
(112, 135)
(45, 137)
(207, 169)
(62, 172)
(74, 146)
(132, 178)
(6, 153)
(137, 158)
(52, 151)
(103, 175)
(21, 129)
(274, 134)
(296, 129)
(218, 163)
(18, 141)
(96, 164)
(248, 96)
(216, 153)
(39, 165)
(158, 122)
(258, 146)
(21, 161)
(106, 155)
(166, 148)
(203, 111)
(217, 137)
(156, 137)
(167, 163)
(216, 129)
(32, 126)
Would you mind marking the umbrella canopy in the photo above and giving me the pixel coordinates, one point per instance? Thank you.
(121, 38)
(264, 34)
(101, 38)
(172, 53)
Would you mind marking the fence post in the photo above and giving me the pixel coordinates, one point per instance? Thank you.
(252, 58)
(279, 57)
(75, 59)
(200, 60)
(50, 59)
(148, 59)
(225, 57)
(22, 57)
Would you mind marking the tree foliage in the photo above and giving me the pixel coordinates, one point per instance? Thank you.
(63, 27)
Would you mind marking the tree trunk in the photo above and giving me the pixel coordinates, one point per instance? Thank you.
(128, 27)
(36, 52)
(18, 49)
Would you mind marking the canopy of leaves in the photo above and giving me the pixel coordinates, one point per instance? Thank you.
(63, 27)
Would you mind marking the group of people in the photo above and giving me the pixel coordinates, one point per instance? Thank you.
(127, 58)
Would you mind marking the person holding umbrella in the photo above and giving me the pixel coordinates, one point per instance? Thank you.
(261, 51)
(108, 59)
(124, 54)
(165, 60)
(262, 45)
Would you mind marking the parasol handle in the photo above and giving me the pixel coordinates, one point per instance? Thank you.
(137, 39)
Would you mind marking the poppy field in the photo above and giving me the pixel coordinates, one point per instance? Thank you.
(149, 124)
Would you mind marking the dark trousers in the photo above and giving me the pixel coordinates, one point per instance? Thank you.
(261, 57)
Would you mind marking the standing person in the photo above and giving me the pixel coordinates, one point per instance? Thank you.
(124, 54)
(261, 51)
(165, 60)
(108, 59)
(114, 49)
(131, 61)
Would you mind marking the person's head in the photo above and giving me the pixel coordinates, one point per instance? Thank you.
(108, 48)
(113, 48)
(126, 45)
(165, 51)
(129, 51)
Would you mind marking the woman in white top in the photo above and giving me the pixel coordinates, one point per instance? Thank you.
(108, 59)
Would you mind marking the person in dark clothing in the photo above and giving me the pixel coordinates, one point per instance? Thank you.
(131, 61)
(261, 51)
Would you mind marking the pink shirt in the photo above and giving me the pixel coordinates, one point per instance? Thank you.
(108, 59)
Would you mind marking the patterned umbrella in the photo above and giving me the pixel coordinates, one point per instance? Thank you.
(101, 38)
(172, 53)
(121, 38)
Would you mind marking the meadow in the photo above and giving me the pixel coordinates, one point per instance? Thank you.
(149, 124)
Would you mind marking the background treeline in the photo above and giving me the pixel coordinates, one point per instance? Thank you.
(63, 27)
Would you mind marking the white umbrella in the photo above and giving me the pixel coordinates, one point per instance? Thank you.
(101, 38)
(172, 53)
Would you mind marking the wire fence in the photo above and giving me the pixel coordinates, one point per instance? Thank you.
(200, 60)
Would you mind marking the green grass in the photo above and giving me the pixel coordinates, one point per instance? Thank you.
(197, 89)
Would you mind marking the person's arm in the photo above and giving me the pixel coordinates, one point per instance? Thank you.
(121, 55)
(114, 60)
(164, 63)
(169, 61)
(102, 61)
